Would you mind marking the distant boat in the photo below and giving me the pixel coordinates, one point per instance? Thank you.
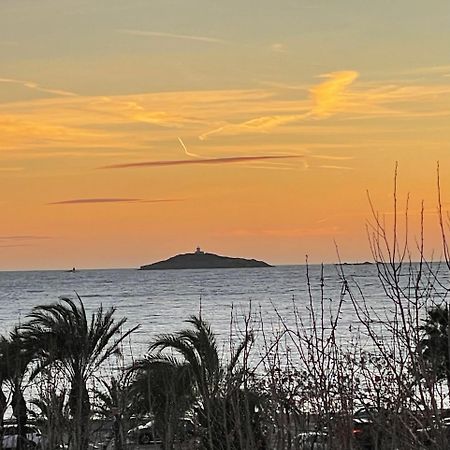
(71, 271)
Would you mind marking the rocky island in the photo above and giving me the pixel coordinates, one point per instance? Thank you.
(203, 260)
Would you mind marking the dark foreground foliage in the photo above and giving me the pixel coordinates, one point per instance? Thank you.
(318, 396)
(295, 386)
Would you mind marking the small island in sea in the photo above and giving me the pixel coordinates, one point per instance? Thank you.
(202, 260)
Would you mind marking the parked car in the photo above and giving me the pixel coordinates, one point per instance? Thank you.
(364, 433)
(144, 434)
(10, 437)
(373, 434)
(311, 440)
(438, 429)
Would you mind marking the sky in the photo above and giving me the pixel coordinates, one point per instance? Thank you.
(134, 130)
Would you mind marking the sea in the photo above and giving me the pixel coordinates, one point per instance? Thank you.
(270, 298)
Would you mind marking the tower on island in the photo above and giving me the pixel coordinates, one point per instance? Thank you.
(199, 251)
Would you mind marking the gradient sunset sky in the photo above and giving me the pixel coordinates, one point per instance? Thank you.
(137, 129)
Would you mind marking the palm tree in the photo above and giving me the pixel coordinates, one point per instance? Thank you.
(434, 345)
(63, 337)
(3, 406)
(163, 387)
(15, 358)
(51, 413)
(3, 377)
(198, 348)
(113, 400)
(227, 409)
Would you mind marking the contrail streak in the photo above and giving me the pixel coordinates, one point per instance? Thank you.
(173, 36)
(186, 150)
(212, 161)
(37, 87)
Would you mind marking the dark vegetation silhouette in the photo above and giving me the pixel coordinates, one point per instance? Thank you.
(435, 342)
(112, 401)
(64, 339)
(294, 386)
(15, 358)
(193, 378)
(162, 386)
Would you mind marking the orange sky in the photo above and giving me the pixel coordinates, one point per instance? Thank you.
(129, 141)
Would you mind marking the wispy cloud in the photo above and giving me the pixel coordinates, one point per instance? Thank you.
(184, 162)
(326, 98)
(282, 86)
(147, 124)
(277, 47)
(23, 237)
(22, 240)
(260, 124)
(13, 245)
(78, 201)
(161, 34)
(285, 232)
(334, 167)
(115, 123)
(37, 87)
(275, 166)
(163, 200)
(11, 169)
(330, 94)
(433, 70)
(332, 157)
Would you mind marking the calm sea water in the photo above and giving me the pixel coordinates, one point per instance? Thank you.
(160, 301)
